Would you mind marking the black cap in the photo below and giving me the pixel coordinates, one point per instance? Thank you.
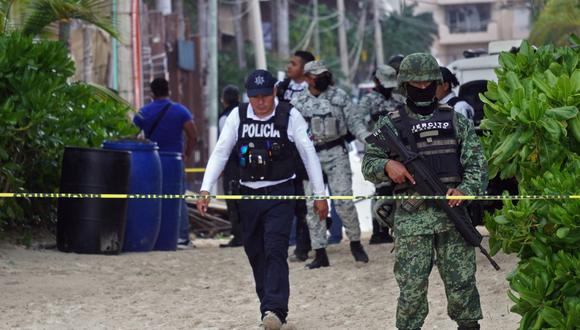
(260, 83)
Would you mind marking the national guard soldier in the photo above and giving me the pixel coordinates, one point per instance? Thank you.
(265, 135)
(330, 116)
(372, 106)
(448, 144)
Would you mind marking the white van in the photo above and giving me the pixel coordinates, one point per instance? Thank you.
(474, 73)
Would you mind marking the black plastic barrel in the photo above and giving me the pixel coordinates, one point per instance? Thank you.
(93, 225)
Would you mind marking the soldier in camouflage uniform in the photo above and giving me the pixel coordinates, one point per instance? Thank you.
(449, 145)
(373, 106)
(330, 116)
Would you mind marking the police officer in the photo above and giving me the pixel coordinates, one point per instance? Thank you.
(265, 135)
(445, 94)
(448, 143)
(372, 106)
(330, 116)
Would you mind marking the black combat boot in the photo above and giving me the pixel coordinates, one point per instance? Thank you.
(320, 259)
(358, 252)
(380, 235)
(469, 326)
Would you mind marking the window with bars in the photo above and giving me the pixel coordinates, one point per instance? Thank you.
(468, 18)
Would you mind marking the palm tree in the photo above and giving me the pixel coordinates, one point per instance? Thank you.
(404, 26)
(556, 22)
(39, 17)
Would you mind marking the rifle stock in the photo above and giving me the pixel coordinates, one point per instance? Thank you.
(428, 184)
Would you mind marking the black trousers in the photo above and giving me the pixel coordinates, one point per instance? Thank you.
(266, 226)
(300, 211)
(231, 187)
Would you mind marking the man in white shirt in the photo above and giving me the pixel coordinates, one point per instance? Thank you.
(265, 135)
(445, 94)
(286, 90)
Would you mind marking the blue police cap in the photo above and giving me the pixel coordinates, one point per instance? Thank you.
(260, 83)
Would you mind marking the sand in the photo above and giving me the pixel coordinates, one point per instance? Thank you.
(212, 288)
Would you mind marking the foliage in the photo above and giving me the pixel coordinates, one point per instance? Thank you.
(301, 19)
(533, 125)
(40, 114)
(399, 28)
(556, 21)
(36, 17)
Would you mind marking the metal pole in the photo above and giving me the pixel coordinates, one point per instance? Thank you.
(257, 34)
(342, 40)
(240, 35)
(212, 111)
(378, 33)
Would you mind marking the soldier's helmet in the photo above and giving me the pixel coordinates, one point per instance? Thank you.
(387, 76)
(419, 67)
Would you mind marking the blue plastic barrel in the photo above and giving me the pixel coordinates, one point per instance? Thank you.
(143, 215)
(172, 168)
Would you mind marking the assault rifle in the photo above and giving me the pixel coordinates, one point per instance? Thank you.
(428, 184)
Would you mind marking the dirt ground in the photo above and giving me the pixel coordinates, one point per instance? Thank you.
(212, 288)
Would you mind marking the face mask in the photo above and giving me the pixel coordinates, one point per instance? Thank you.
(386, 92)
(322, 83)
(421, 97)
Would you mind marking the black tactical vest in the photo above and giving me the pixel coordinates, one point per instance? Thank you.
(434, 139)
(264, 151)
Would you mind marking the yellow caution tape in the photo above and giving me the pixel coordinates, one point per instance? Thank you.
(280, 197)
(195, 170)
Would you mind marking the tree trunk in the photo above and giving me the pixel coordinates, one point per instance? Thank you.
(342, 41)
(283, 30)
(87, 53)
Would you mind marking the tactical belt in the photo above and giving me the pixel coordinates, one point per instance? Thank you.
(329, 145)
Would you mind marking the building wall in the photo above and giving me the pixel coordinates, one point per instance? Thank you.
(472, 24)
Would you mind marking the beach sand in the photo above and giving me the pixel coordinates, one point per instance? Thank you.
(212, 288)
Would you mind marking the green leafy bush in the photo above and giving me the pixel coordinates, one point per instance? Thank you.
(40, 114)
(533, 125)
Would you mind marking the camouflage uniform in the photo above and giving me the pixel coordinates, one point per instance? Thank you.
(374, 105)
(421, 233)
(332, 106)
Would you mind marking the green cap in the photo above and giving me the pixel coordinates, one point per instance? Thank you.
(387, 76)
(315, 68)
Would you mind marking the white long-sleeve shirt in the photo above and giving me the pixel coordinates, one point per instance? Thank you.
(297, 133)
(461, 107)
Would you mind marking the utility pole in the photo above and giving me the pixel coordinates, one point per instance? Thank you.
(239, 31)
(283, 29)
(342, 41)
(180, 19)
(257, 34)
(316, 28)
(125, 71)
(213, 74)
(378, 33)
